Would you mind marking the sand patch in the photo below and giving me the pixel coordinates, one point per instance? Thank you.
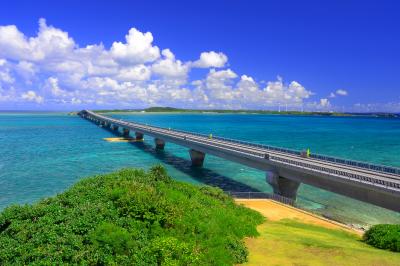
(275, 211)
(121, 139)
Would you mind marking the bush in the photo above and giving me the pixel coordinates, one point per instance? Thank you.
(112, 237)
(384, 236)
(130, 217)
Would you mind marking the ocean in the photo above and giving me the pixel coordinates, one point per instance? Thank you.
(43, 154)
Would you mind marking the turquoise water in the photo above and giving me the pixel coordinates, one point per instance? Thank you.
(43, 154)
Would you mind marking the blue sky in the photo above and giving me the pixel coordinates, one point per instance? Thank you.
(313, 55)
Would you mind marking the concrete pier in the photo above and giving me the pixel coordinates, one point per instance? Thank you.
(114, 127)
(197, 157)
(139, 135)
(159, 143)
(125, 132)
(282, 186)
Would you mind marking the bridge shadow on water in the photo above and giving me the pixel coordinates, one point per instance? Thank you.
(201, 174)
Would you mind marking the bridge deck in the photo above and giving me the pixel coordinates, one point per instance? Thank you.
(372, 177)
(380, 187)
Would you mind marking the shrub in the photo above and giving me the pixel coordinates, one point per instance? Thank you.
(159, 173)
(216, 193)
(237, 249)
(113, 238)
(384, 236)
(129, 217)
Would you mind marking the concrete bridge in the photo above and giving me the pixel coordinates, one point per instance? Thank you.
(286, 169)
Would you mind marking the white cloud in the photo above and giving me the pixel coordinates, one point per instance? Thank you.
(5, 72)
(32, 97)
(54, 88)
(324, 103)
(25, 69)
(135, 73)
(332, 95)
(219, 84)
(341, 92)
(137, 49)
(278, 92)
(51, 67)
(50, 42)
(211, 59)
(393, 106)
(169, 67)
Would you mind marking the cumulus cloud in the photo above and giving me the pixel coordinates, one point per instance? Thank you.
(324, 103)
(169, 67)
(211, 59)
(134, 73)
(277, 91)
(32, 97)
(341, 92)
(5, 72)
(51, 68)
(50, 42)
(137, 49)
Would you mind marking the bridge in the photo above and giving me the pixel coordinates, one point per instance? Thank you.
(285, 169)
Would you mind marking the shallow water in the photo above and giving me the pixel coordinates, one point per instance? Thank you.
(43, 154)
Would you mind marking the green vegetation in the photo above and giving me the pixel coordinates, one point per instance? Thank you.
(291, 242)
(384, 236)
(166, 109)
(130, 217)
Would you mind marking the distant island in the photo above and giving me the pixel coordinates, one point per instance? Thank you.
(159, 109)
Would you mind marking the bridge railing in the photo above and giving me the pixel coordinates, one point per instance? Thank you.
(360, 178)
(375, 167)
(364, 165)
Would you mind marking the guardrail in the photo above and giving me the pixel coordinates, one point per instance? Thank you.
(260, 195)
(375, 167)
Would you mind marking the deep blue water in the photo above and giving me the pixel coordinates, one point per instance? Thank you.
(43, 154)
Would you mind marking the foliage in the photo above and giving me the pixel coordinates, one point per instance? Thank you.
(384, 236)
(128, 217)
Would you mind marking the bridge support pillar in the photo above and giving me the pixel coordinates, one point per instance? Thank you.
(125, 132)
(197, 157)
(159, 143)
(107, 125)
(114, 127)
(282, 186)
(139, 135)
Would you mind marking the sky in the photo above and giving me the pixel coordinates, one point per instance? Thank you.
(295, 55)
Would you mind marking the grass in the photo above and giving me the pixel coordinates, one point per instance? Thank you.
(291, 242)
(130, 217)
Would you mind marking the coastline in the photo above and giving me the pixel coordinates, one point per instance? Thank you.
(170, 110)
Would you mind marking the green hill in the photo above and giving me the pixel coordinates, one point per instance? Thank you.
(128, 217)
